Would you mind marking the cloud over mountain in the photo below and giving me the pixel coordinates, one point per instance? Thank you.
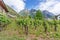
(50, 5)
(17, 5)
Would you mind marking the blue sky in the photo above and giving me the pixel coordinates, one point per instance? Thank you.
(50, 5)
(32, 3)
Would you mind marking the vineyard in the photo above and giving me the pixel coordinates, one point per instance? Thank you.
(21, 28)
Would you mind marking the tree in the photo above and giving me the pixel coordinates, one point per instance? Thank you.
(38, 15)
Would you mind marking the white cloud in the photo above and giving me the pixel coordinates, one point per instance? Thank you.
(51, 5)
(56, 9)
(17, 5)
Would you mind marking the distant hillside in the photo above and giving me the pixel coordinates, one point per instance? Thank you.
(24, 12)
(32, 13)
(27, 12)
(12, 11)
(48, 14)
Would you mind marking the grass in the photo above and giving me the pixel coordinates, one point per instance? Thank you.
(13, 31)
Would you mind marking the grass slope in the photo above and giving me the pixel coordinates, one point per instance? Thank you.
(14, 31)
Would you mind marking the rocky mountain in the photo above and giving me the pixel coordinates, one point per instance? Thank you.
(26, 12)
(48, 14)
(32, 13)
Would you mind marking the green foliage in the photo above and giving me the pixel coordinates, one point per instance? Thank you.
(38, 15)
(4, 20)
(36, 26)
